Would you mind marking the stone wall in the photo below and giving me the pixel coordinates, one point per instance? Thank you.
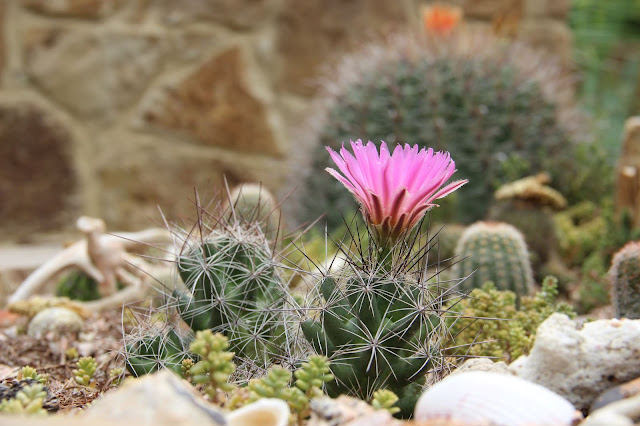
(114, 108)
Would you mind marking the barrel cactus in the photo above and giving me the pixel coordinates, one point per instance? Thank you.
(154, 349)
(233, 287)
(495, 252)
(625, 281)
(253, 203)
(496, 106)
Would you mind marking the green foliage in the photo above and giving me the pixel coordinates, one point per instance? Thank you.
(310, 379)
(495, 252)
(606, 37)
(28, 401)
(154, 350)
(625, 281)
(116, 375)
(581, 230)
(215, 365)
(233, 287)
(593, 290)
(85, 369)
(490, 325)
(500, 115)
(384, 399)
(77, 285)
(31, 373)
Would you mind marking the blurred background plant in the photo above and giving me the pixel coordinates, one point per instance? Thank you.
(606, 38)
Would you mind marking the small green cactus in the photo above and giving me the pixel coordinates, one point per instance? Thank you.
(234, 288)
(494, 252)
(253, 203)
(85, 369)
(624, 275)
(384, 399)
(28, 401)
(215, 365)
(31, 373)
(154, 350)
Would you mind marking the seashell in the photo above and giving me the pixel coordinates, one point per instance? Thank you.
(494, 398)
(263, 412)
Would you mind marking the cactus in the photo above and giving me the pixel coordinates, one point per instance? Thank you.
(379, 323)
(495, 252)
(253, 203)
(234, 287)
(77, 285)
(625, 281)
(490, 103)
(156, 349)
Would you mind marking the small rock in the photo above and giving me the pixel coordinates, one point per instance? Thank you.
(617, 393)
(619, 413)
(347, 411)
(579, 364)
(153, 400)
(58, 321)
(482, 364)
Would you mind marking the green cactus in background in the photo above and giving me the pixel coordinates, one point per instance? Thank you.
(378, 323)
(490, 325)
(492, 104)
(28, 401)
(494, 252)
(625, 281)
(154, 350)
(77, 285)
(234, 287)
(253, 203)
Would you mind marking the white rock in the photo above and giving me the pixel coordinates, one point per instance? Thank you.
(55, 320)
(482, 364)
(579, 364)
(264, 412)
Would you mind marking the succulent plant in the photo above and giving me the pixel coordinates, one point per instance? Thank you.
(625, 281)
(490, 325)
(215, 364)
(156, 349)
(495, 252)
(492, 104)
(28, 400)
(85, 369)
(385, 399)
(77, 285)
(234, 287)
(29, 372)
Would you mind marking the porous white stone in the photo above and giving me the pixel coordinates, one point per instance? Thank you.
(580, 363)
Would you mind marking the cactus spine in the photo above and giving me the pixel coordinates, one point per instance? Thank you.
(155, 350)
(495, 252)
(253, 203)
(625, 281)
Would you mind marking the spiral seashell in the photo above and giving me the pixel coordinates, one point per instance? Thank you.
(493, 398)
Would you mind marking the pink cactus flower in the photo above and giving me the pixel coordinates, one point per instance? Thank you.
(394, 190)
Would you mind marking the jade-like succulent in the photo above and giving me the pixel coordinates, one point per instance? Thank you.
(31, 373)
(28, 401)
(215, 364)
(385, 399)
(86, 367)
